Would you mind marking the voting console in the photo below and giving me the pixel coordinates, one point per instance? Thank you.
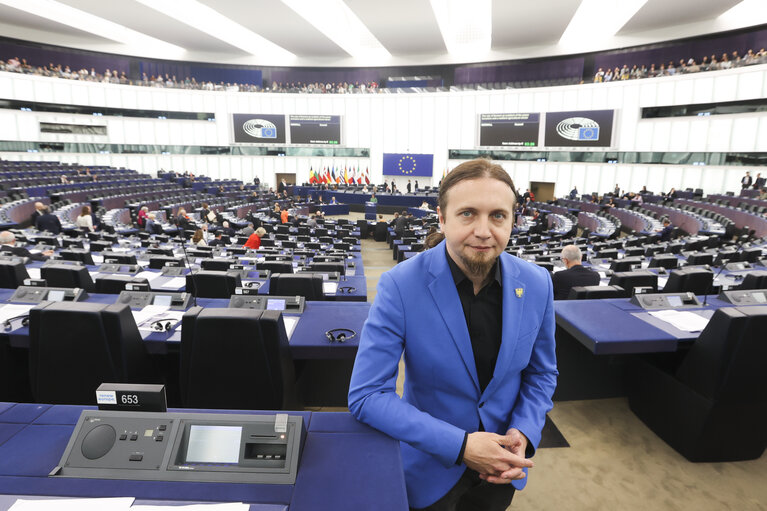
(201, 447)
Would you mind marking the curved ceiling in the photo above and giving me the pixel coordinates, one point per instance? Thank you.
(366, 33)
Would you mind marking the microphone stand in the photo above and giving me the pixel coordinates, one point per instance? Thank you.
(191, 270)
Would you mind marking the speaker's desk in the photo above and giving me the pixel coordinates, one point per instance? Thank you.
(344, 465)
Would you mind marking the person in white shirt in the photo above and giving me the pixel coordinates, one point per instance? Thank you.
(85, 221)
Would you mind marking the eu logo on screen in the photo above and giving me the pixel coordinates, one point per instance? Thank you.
(588, 133)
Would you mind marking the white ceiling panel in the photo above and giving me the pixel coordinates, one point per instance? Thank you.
(666, 13)
(521, 23)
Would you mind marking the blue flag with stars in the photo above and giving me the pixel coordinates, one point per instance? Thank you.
(399, 164)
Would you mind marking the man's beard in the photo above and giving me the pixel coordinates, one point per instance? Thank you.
(478, 264)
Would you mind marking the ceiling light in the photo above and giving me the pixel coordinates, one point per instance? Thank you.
(335, 20)
(66, 15)
(466, 27)
(745, 13)
(215, 24)
(596, 20)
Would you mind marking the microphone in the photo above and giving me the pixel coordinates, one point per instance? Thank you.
(191, 270)
(738, 246)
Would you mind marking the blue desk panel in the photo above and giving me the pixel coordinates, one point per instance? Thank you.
(344, 465)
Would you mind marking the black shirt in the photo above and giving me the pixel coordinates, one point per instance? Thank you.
(484, 319)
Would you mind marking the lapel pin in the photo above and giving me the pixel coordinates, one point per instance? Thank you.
(519, 291)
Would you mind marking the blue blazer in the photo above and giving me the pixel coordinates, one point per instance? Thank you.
(417, 309)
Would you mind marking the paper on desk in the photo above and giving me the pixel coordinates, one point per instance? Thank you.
(329, 288)
(662, 281)
(229, 506)
(149, 275)
(174, 283)
(13, 310)
(105, 504)
(150, 311)
(34, 273)
(290, 324)
(682, 320)
(97, 259)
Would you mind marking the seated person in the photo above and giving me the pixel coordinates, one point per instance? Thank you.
(141, 218)
(183, 220)
(217, 241)
(425, 205)
(198, 239)
(39, 207)
(8, 244)
(575, 275)
(312, 222)
(47, 221)
(333, 200)
(248, 230)
(665, 233)
(225, 229)
(151, 225)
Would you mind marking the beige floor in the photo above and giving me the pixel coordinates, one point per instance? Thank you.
(614, 462)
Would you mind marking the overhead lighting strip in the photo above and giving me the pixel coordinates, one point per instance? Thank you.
(466, 27)
(337, 22)
(597, 20)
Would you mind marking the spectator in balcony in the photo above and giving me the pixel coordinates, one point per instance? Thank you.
(725, 63)
(48, 222)
(599, 77)
(625, 72)
(608, 75)
(85, 220)
(746, 182)
(759, 182)
(8, 245)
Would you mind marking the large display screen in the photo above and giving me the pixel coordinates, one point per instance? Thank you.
(586, 128)
(258, 128)
(315, 129)
(517, 129)
(213, 444)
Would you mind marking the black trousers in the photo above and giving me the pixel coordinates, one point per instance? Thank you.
(471, 493)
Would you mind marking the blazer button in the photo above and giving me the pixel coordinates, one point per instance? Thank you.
(482, 404)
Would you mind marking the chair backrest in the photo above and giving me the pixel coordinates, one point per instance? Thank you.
(212, 284)
(292, 284)
(217, 264)
(689, 280)
(115, 284)
(327, 267)
(77, 254)
(12, 274)
(727, 360)
(159, 262)
(119, 258)
(700, 258)
(594, 292)
(236, 359)
(664, 261)
(76, 346)
(67, 275)
(753, 280)
(276, 266)
(626, 264)
(630, 279)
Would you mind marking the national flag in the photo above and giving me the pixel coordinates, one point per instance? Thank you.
(337, 175)
(346, 176)
(367, 175)
(312, 176)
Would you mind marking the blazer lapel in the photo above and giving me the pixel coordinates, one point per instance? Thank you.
(445, 297)
(514, 296)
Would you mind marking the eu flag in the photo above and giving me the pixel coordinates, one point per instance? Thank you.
(398, 164)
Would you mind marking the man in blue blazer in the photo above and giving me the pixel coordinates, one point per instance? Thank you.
(477, 329)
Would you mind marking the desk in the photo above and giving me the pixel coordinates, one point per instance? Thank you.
(325, 368)
(344, 465)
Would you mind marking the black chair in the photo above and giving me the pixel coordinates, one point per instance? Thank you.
(689, 280)
(718, 389)
(754, 280)
(67, 275)
(327, 267)
(12, 274)
(77, 254)
(217, 264)
(631, 279)
(292, 284)
(595, 292)
(76, 346)
(100, 246)
(669, 262)
(213, 284)
(114, 257)
(626, 264)
(700, 258)
(115, 284)
(236, 359)
(159, 262)
(276, 266)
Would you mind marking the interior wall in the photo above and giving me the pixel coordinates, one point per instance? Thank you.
(419, 123)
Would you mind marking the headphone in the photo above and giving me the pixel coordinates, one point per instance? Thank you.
(253, 283)
(340, 334)
(346, 289)
(162, 325)
(7, 323)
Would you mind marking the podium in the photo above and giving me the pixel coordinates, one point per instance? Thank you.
(371, 208)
